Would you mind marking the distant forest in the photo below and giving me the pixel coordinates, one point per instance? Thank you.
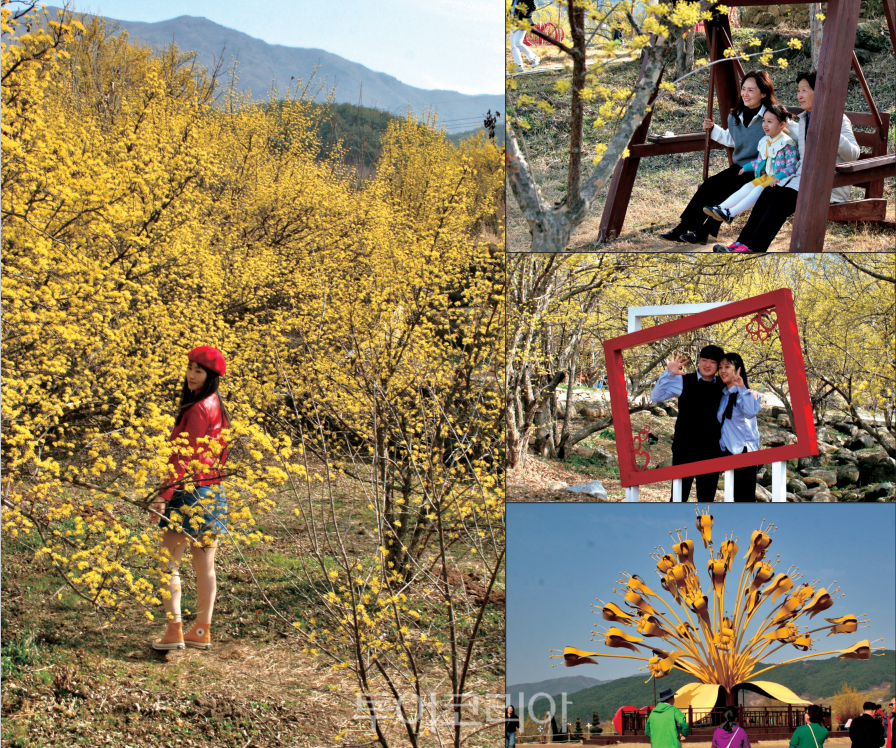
(818, 680)
(360, 129)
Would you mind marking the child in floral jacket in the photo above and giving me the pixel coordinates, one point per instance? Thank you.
(778, 158)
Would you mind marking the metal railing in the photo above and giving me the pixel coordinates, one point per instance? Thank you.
(767, 718)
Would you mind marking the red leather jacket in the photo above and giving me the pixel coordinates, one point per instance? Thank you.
(202, 419)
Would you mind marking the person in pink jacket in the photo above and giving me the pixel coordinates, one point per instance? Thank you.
(729, 734)
(194, 517)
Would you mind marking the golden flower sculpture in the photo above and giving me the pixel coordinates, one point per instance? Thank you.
(708, 641)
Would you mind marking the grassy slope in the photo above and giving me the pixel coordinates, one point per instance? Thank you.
(817, 681)
(666, 183)
(100, 683)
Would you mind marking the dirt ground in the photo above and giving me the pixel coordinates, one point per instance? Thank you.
(530, 483)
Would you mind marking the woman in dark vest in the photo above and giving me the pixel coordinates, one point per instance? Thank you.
(757, 93)
(697, 429)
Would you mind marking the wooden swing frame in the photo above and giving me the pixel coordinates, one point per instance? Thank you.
(813, 207)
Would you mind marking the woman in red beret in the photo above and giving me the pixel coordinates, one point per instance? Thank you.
(196, 517)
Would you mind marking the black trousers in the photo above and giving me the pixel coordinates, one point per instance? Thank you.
(706, 484)
(715, 189)
(774, 206)
(744, 478)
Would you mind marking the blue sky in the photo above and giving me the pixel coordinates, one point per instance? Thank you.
(560, 557)
(456, 45)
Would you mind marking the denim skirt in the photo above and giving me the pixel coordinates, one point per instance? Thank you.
(198, 512)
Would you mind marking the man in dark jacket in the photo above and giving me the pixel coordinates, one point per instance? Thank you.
(697, 429)
(865, 731)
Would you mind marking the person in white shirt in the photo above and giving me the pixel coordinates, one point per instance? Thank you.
(737, 413)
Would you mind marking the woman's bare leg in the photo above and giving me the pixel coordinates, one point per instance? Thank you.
(203, 557)
(175, 543)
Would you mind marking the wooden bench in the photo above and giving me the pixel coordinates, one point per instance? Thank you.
(868, 172)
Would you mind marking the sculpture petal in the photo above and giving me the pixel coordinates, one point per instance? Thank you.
(785, 633)
(717, 568)
(780, 584)
(617, 638)
(636, 583)
(728, 551)
(789, 609)
(821, 601)
(612, 612)
(858, 651)
(685, 552)
(650, 626)
(660, 668)
(636, 601)
(697, 695)
(764, 572)
(704, 527)
(843, 625)
(841, 619)
(759, 543)
(774, 691)
(573, 656)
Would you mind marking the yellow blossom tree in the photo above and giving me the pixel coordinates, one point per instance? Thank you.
(362, 324)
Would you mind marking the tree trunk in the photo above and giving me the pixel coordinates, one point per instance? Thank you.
(577, 105)
(551, 227)
(570, 406)
(815, 32)
(684, 54)
(730, 698)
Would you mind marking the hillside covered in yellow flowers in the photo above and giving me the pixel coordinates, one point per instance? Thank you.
(148, 209)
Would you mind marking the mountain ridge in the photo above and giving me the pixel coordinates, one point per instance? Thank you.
(263, 68)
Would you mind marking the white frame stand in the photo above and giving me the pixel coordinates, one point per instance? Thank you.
(779, 469)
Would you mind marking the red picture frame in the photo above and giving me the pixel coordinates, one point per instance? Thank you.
(781, 303)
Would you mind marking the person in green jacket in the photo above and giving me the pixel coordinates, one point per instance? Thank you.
(665, 723)
(813, 733)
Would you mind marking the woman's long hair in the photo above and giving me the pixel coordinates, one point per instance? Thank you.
(188, 397)
(765, 86)
(738, 363)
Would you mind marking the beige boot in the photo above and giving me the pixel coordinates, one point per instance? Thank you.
(173, 639)
(199, 637)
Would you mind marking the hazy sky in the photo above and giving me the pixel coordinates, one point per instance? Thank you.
(450, 44)
(560, 557)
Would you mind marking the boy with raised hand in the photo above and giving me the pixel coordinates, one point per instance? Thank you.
(697, 429)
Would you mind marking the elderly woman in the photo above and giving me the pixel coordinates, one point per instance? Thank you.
(757, 93)
(777, 204)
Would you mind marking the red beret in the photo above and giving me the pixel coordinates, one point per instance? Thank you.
(210, 358)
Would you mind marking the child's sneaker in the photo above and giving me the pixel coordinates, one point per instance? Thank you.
(173, 638)
(733, 247)
(199, 637)
(723, 214)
